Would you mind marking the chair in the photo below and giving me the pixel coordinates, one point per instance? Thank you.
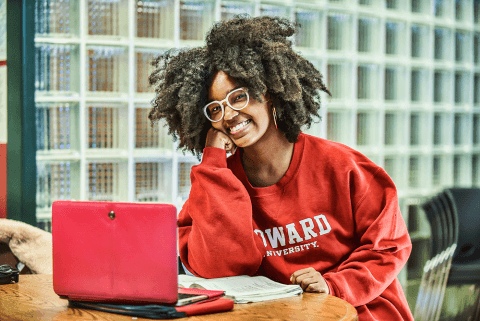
(448, 248)
(433, 279)
(454, 216)
(465, 203)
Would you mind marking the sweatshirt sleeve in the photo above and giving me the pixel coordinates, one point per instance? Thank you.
(384, 243)
(216, 237)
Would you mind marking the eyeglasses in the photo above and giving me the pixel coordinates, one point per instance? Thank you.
(236, 99)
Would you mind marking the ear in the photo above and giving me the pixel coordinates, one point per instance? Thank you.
(268, 99)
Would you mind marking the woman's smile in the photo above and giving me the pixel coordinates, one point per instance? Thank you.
(240, 127)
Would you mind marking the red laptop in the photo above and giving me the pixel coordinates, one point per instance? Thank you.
(115, 252)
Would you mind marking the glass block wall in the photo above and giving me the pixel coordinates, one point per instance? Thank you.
(3, 29)
(404, 77)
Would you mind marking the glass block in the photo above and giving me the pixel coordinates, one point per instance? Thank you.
(462, 170)
(148, 136)
(441, 170)
(184, 183)
(443, 44)
(56, 67)
(419, 90)
(442, 84)
(437, 170)
(420, 6)
(476, 89)
(338, 80)
(103, 181)
(462, 46)
(476, 11)
(394, 83)
(461, 129)
(394, 166)
(367, 131)
(44, 224)
(106, 69)
(395, 37)
(315, 129)
(274, 10)
(56, 180)
(56, 126)
(308, 35)
(367, 81)
(144, 68)
(414, 171)
(107, 17)
(339, 126)
(442, 128)
(476, 47)
(394, 132)
(476, 129)
(196, 17)
(475, 170)
(152, 182)
(462, 87)
(419, 124)
(316, 63)
(420, 41)
(3, 29)
(463, 10)
(339, 28)
(393, 4)
(106, 126)
(368, 34)
(442, 8)
(413, 218)
(230, 9)
(154, 19)
(56, 18)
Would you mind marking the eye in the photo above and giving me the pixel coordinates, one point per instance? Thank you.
(241, 97)
(215, 109)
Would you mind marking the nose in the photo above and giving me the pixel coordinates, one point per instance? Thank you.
(229, 112)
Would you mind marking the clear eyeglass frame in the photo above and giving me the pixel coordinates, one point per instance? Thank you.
(226, 100)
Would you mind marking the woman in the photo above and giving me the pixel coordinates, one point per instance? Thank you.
(295, 208)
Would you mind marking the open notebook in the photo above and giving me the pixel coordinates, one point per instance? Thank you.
(242, 288)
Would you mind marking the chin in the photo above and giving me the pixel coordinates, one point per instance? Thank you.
(244, 142)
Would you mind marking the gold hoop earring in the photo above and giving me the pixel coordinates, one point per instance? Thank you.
(274, 116)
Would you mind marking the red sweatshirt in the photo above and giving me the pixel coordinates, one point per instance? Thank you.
(334, 210)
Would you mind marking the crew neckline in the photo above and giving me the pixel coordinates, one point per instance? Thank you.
(279, 186)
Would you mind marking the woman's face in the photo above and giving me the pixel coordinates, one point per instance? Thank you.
(247, 126)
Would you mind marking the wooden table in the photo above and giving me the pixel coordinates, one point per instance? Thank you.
(33, 299)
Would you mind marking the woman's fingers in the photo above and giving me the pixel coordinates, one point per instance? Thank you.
(219, 139)
(316, 287)
(310, 280)
(301, 272)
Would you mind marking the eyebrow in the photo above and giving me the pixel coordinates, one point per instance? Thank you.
(226, 93)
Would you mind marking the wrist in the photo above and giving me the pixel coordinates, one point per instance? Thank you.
(214, 157)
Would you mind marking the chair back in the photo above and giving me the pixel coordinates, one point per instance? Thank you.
(466, 206)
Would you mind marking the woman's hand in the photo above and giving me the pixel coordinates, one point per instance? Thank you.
(310, 280)
(219, 139)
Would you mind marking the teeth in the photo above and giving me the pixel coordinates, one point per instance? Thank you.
(239, 126)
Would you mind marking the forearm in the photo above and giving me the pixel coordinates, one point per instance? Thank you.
(215, 225)
(366, 274)
(383, 245)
